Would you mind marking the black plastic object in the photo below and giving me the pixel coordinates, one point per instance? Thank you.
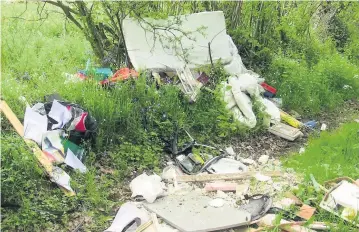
(75, 136)
(285, 214)
(257, 206)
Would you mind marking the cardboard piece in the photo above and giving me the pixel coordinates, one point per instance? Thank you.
(343, 201)
(306, 211)
(191, 213)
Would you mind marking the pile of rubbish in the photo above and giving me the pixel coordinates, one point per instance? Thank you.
(104, 76)
(59, 128)
(247, 199)
(205, 188)
(175, 63)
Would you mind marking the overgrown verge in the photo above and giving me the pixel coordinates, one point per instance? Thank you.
(133, 119)
(329, 156)
(134, 116)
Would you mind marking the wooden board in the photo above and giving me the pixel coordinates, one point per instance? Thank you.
(231, 176)
(40, 156)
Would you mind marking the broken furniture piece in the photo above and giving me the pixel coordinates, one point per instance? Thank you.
(285, 131)
(189, 85)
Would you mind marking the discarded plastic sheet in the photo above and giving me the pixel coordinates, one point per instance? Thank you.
(310, 124)
(343, 201)
(285, 131)
(272, 110)
(247, 83)
(35, 125)
(257, 206)
(149, 187)
(128, 218)
(191, 213)
(74, 162)
(240, 105)
(226, 165)
(146, 51)
(61, 178)
(60, 114)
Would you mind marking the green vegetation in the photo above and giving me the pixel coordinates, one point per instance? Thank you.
(314, 65)
(332, 155)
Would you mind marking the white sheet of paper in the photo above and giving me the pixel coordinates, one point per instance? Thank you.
(59, 113)
(74, 162)
(35, 125)
(61, 178)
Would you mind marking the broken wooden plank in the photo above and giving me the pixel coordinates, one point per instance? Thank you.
(231, 176)
(155, 222)
(40, 156)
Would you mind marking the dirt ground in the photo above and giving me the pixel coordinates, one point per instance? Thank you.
(274, 146)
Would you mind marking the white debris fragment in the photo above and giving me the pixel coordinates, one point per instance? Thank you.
(277, 186)
(150, 187)
(221, 194)
(169, 173)
(242, 189)
(323, 127)
(357, 120)
(230, 151)
(247, 161)
(263, 159)
(217, 203)
(261, 177)
(301, 150)
(286, 202)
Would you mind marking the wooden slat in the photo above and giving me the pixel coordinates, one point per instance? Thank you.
(40, 156)
(230, 176)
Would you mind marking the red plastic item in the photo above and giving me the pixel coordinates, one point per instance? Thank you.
(120, 75)
(123, 74)
(269, 88)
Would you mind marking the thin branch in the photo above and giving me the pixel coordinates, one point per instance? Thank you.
(67, 10)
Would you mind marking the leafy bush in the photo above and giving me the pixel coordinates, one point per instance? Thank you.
(331, 155)
(312, 90)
